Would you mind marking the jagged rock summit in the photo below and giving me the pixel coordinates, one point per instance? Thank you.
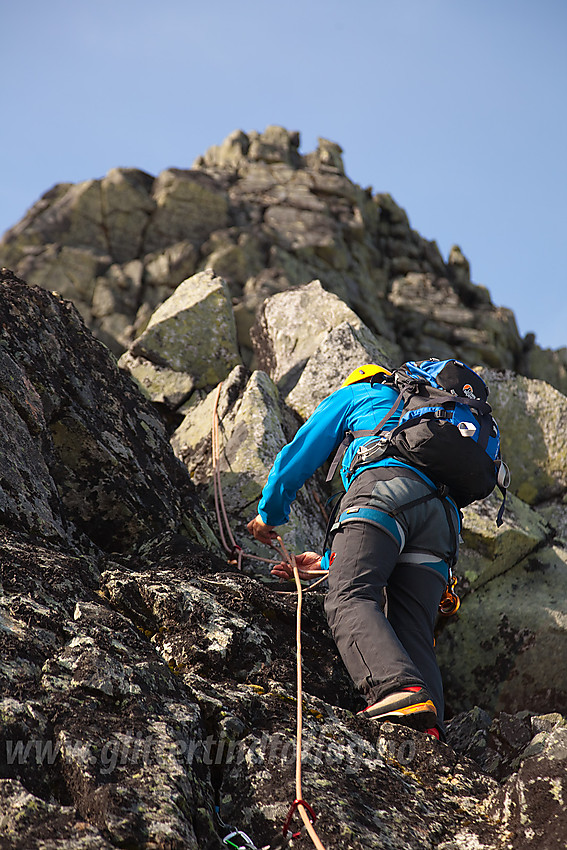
(265, 218)
(148, 684)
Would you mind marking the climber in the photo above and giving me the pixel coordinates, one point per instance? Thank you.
(374, 557)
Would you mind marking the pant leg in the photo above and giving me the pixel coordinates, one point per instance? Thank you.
(413, 595)
(364, 559)
(383, 655)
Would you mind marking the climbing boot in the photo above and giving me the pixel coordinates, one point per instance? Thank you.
(411, 706)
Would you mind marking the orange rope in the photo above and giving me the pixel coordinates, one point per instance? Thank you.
(299, 734)
(222, 516)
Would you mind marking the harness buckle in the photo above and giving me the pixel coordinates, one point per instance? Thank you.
(441, 413)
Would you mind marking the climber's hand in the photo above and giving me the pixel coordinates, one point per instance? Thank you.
(262, 531)
(308, 567)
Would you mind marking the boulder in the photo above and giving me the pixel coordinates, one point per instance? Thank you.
(160, 384)
(291, 327)
(526, 753)
(69, 214)
(95, 462)
(555, 515)
(126, 207)
(193, 332)
(548, 365)
(275, 144)
(115, 302)
(340, 351)
(72, 272)
(234, 256)
(252, 431)
(297, 229)
(232, 152)
(170, 267)
(436, 317)
(530, 804)
(500, 651)
(189, 206)
(487, 550)
(531, 416)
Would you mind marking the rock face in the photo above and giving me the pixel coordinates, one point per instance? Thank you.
(88, 456)
(147, 684)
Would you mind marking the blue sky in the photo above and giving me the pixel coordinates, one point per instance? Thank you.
(458, 108)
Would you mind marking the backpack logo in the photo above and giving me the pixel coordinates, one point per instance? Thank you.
(468, 391)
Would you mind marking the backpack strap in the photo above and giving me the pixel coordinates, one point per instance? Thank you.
(350, 436)
(482, 406)
(484, 432)
(502, 482)
(440, 493)
(336, 497)
(410, 389)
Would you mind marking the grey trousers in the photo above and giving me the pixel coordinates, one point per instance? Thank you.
(385, 582)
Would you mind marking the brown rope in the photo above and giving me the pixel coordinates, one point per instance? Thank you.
(230, 546)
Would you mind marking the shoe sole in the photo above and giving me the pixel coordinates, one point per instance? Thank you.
(421, 711)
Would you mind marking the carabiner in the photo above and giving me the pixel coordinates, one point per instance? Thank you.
(450, 602)
(241, 836)
(292, 809)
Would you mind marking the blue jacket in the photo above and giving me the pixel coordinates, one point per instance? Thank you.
(357, 407)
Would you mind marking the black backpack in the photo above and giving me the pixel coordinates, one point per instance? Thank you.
(446, 429)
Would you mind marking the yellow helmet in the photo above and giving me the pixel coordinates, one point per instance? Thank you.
(363, 373)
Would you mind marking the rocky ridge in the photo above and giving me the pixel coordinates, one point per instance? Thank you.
(265, 218)
(148, 692)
